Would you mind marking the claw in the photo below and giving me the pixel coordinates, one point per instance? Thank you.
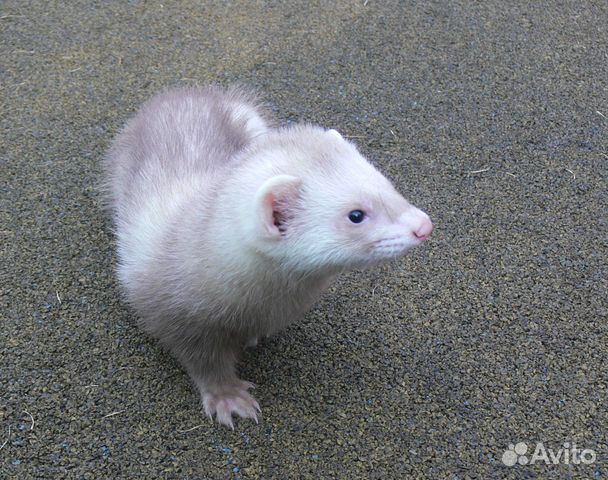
(224, 401)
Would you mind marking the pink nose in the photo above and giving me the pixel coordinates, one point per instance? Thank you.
(424, 230)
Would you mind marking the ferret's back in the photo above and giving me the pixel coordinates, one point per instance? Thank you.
(177, 135)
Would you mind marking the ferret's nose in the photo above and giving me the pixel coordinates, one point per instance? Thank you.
(416, 223)
(424, 229)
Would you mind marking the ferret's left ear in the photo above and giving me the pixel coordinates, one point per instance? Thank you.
(335, 133)
(273, 202)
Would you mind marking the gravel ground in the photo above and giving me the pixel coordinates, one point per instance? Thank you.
(492, 116)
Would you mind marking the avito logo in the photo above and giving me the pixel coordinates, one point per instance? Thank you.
(568, 454)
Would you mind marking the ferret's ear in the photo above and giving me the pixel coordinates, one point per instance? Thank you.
(273, 201)
(335, 133)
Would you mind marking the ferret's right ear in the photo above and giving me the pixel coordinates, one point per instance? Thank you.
(273, 202)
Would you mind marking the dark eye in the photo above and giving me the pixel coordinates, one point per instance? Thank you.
(356, 216)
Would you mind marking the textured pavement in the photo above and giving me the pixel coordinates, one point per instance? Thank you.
(491, 116)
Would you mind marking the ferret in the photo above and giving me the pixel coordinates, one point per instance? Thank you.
(228, 229)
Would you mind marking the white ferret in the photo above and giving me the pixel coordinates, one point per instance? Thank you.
(229, 230)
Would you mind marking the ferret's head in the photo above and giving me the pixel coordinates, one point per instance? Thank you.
(329, 208)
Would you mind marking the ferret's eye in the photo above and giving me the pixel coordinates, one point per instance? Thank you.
(356, 216)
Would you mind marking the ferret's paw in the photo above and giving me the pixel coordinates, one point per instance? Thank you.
(225, 400)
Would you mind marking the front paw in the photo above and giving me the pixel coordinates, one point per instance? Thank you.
(231, 398)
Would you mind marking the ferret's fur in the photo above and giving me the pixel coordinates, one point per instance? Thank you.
(229, 229)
